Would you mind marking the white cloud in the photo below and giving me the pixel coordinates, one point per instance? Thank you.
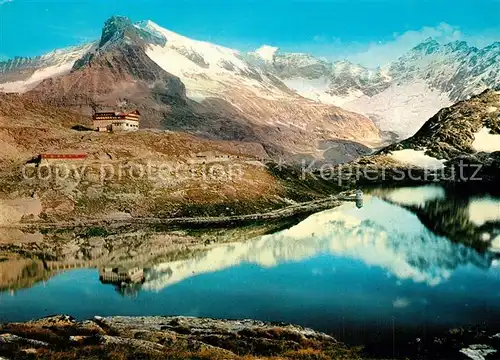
(5, 1)
(379, 53)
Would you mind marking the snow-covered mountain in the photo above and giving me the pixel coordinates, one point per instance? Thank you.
(331, 83)
(401, 96)
(21, 74)
(212, 73)
(183, 84)
(272, 96)
(208, 69)
(429, 77)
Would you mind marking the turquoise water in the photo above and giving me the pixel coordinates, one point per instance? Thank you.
(355, 273)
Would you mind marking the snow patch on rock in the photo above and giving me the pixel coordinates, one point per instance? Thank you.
(484, 141)
(417, 158)
(195, 96)
(495, 247)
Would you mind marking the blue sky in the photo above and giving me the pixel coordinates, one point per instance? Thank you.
(368, 31)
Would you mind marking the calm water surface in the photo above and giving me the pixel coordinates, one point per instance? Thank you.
(410, 262)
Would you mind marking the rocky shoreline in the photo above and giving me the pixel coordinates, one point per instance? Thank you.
(179, 337)
(62, 337)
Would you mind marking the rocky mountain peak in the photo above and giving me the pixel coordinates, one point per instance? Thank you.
(114, 27)
(458, 46)
(119, 32)
(428, 46)
(493, 47)
(119, 28)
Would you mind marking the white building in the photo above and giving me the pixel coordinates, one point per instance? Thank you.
(116, 121)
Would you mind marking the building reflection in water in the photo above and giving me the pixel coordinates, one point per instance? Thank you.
(127, 281)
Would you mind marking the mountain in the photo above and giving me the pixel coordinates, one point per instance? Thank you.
(285, 101)
(131, 175)
(187, 85)
(460, 143)
(331, 83)
(21, 73)
(116, 70)
(400, 96)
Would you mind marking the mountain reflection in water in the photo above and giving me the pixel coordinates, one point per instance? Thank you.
(380, 234)
(410, 258)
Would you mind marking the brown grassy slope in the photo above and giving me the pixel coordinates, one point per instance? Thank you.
(30, 127)
(33, 126)
(18, 110)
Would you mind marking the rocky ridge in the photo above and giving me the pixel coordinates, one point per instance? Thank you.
(460, 145)
(453, 130)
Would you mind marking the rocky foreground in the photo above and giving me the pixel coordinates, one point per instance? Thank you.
(61, 337)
